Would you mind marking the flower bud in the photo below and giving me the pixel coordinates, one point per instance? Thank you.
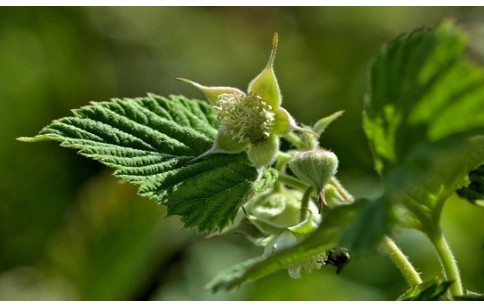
(315, 168)
(282, 210)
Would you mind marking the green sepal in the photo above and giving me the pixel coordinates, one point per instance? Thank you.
(283, 122)
(212, 93)
(226, 144)
(320, 126)
(304, 227)
(266, 226)
(265, 84)
(263, 153)
(280, 208)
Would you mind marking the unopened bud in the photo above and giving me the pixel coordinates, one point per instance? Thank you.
(315, 168)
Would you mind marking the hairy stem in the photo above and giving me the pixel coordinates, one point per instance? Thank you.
(281, 162)
(292, 181)
(305, 203)
(448, 261)
(295, 140)
(342, 191)
(401, 261)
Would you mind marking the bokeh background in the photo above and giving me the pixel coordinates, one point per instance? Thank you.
(69, 230)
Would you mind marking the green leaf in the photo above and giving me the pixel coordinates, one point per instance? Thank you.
(151, 142)
(321, 240)
(432, 290)
(360, 236)
(431, 174)
(424, 120)
(422, 89)
(470, 296)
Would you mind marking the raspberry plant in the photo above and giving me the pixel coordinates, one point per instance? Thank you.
(217, 163)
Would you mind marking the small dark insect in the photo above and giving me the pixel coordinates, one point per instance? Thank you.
(339, 257)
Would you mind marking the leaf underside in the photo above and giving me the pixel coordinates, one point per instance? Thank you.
(424, 120)
(321, 240)
(151, 142)
(431, 290)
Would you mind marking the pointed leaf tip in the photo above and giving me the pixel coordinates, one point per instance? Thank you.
(32, 139)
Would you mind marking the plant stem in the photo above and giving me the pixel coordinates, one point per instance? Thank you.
(295, 140)
(449, 264)
(401, 261)
(305, 203)
(343, 192)
(277, 186)
(280, 166)
(292, 181)
(281, 162)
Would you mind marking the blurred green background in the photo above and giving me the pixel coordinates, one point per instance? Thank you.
(69, 230)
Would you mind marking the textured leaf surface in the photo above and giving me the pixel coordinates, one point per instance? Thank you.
(151, 142)
(432, 290)
(422, 89)
(424, 118)
(321, 240)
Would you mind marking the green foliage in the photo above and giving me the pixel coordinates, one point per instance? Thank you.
(431, 290)
(370, 225)
(424, 119)
(422, 116)
(321, 240)
(152, 142)
(470, 296)
(422, 89)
